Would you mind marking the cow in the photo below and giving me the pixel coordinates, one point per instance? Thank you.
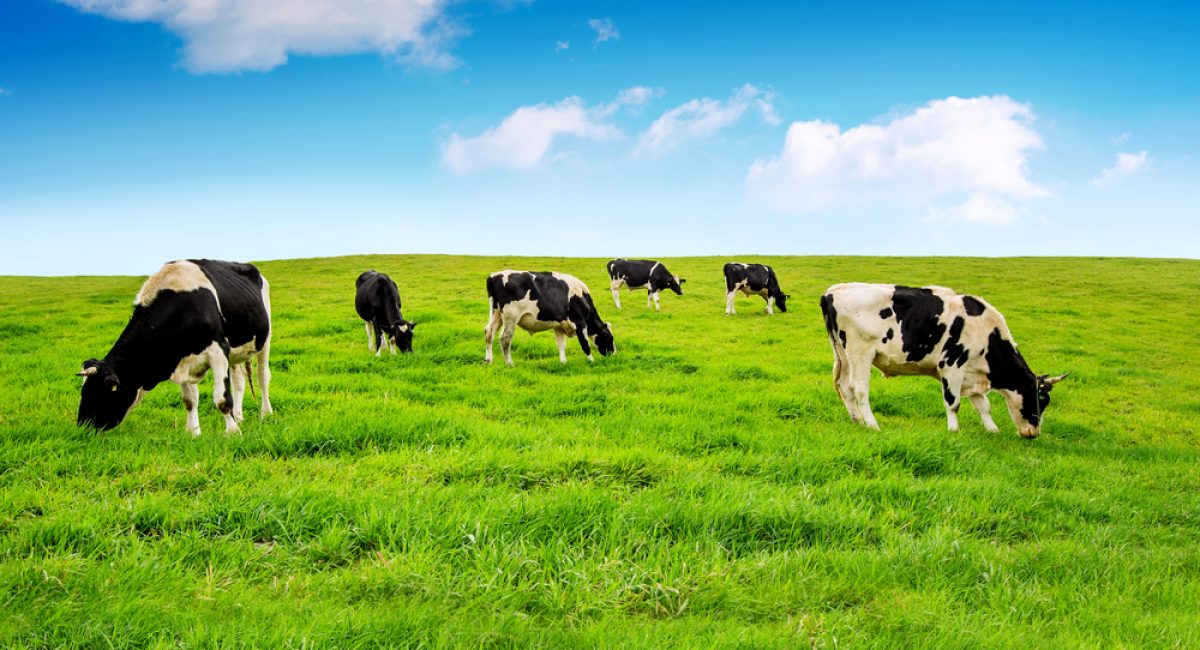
(959, 339)
(189, 317)
(539, 301)
(752, 280)
(650, 275)
(377, 301)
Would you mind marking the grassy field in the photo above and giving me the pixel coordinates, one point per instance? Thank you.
(704, 487)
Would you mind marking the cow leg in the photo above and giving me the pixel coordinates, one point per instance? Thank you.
(560, 337)
(510, 326)
(264, 378)
(392, 345)
(984, 408)
(770, 306)
(841, 382)
(951, 396)
(370, 336)
(729, 310)
(191, 399)
(655, 296)
(859, 384)
(489, 334)
(380, 340)
(238, 380)
(218, 360)
(616, 292)
(580, 333)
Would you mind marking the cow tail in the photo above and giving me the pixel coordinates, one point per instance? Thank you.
(250, 380)
(830, 318)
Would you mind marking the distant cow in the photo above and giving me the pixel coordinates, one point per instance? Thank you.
(642, 274)
(959, 339)
(377, 302)
(190, 316)
(753, 280)
(539, 301)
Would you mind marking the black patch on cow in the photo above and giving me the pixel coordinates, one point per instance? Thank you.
(972, 305)
(239, 291)
(650, 274)
(885, 313)
(890, 333)
(918, 312)
(377, 301)
(830, 314)
(1007, 370)
(953, 352)
(757, 278)
(947, 394)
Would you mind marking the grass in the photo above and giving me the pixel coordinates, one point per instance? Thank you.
(702, 488)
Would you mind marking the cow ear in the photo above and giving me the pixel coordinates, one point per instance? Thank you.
(413, 325)
(681, 280)
(1050, 381)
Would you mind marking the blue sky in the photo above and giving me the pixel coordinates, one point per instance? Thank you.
(134, 131)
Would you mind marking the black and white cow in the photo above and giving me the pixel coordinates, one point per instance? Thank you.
(377, 302)
(650, 275)
(753, 280)
(190, 316)
(959, 339)
(539, 301)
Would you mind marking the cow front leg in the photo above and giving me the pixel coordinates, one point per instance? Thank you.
(370, 336)
(392, 345)
(729, 310)
(191, 399)
(616, 293)
(238, 380)
(655, 296)
(218, 360)
(380, 340)
(770, 305)
(984, 408)
(560, 338)
(951, 390)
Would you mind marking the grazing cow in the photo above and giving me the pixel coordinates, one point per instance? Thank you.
(959, 339)
(190, 316)
(753, 280)
(377, 301)
(642, 274)
(539, 301)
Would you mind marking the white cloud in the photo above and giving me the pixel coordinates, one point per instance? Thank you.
(561, 45)
(605, 29)
(944, 151)
(1127, 164)
(234, 35)
(1120, 138)
(524, 139)
(703, 117)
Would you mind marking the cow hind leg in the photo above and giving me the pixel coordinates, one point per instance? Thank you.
(191, 399)
(264, 378)
(952, 398)
(218, 360)
(858, 383)
(506, 337)
(560, 338)
(841, 383)
(489, 334)
(370, 336)
(238, 380)
(655, 296)
(984, 408)
(616, 293)
(729, 310)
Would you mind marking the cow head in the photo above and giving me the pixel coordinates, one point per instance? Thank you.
(1027, 405)
(603, 340)
(781, 300)
(104, 401)
(402, 335)
(674, 285)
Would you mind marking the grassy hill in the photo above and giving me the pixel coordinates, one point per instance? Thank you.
(704, 487)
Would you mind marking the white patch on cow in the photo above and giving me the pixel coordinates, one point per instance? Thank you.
(178, 276)
(403, 327)
(370, 336)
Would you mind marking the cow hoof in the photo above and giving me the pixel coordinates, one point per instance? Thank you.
(238, 417)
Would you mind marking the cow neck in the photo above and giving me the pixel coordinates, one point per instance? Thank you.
(132, 345)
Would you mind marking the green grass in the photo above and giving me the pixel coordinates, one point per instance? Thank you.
(704, 487)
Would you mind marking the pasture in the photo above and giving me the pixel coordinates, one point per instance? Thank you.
(704, 487)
